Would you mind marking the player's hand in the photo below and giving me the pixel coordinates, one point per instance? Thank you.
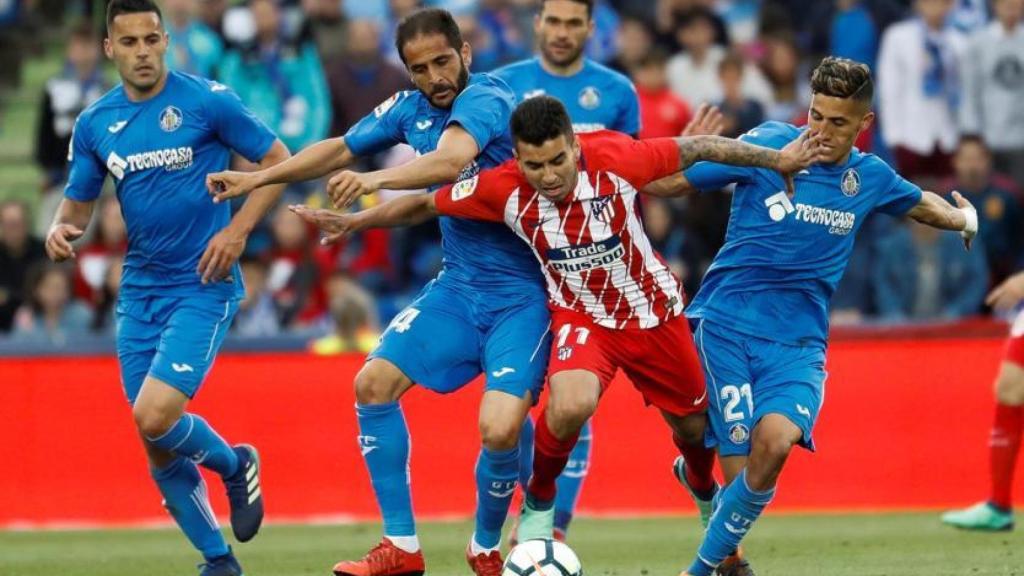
(221, 254)
(59, 239)
(799, 155)
(1008, 294)
(335, 225)
(229, 184)
(346, 186)
(707, 121)
(971, 215)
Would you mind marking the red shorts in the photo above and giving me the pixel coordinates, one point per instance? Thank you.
(661, 362)
(1015, 344)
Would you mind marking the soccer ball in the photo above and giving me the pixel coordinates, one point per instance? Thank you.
(542, 558)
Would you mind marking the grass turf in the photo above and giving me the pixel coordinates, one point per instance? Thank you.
(797, 545)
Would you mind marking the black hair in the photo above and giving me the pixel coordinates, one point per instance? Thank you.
(588, 3)
(540, 119)
(974, 139)
(843, 78)
(688, 17)
(116, 8)
(427, 21)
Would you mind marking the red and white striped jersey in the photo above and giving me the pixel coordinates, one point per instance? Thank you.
(596, 257)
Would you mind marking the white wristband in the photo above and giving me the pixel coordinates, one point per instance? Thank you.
(970, 222)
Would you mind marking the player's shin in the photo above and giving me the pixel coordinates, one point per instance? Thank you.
(526, 436)
(185, 498)
(700, 463)
(384, 443)
(739, 508)
(192, 437)
(496, 477)
(550, 456)
(570, 482)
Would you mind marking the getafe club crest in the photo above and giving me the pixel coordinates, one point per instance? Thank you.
(170, 119)
(590, 98)
(851, 183)
(738, 433)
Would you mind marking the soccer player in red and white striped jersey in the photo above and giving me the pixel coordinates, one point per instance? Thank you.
(615, 304)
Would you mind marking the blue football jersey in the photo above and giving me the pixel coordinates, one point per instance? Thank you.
(596, 97)
(158, 153)
(783, 257)
(480, 253)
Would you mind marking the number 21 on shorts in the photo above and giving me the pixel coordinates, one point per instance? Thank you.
(733, 395)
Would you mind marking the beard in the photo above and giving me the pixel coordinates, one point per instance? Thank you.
(460, 84)
(569, 58)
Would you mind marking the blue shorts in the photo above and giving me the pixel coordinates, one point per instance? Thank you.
(171, 338)
(748, 377)
(449, 335)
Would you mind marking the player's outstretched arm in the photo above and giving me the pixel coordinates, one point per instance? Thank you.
(796, 156)
(69, 223)
(311, 163)
(228, 244)
(937, 213)
(455, 150)
(406, 210)
(707, 121)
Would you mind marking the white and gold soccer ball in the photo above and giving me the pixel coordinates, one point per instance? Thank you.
(542, 558)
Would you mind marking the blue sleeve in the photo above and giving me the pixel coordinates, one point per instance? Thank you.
(235, 125)
(628, 121)
(901, 197)
(482, 111)
(85, 179)
(379, 130)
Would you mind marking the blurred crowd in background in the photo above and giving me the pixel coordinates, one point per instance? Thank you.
(950, 100)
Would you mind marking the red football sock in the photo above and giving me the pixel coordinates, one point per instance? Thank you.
(549, 458)
(1003, 446)
(700, 462)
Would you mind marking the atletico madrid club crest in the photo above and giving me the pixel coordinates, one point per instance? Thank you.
(170, 119)
(851, 183)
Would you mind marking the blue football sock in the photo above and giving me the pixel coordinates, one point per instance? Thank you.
(526, 452)
(384, 441)
(496, 477)
(738, 509)
(185, 497)
(570, 481)
(193, 438)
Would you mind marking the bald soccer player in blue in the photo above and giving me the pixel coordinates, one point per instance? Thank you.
(485, 313)
(157, 135)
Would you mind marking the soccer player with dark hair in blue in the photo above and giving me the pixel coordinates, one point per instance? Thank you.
(485, 313)
(761, 316)
(158, 134)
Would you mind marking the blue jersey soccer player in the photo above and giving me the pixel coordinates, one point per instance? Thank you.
(158, 135)
(487, 312)
(597, 98)
(761, 315)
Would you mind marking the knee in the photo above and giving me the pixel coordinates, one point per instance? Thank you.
(772, 450)
(375, 385)
(500, 434)
(151, 421)
(1010, 385)
(690, 429)
(567, 415)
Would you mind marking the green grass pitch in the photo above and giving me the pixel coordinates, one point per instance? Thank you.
(790, 545)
